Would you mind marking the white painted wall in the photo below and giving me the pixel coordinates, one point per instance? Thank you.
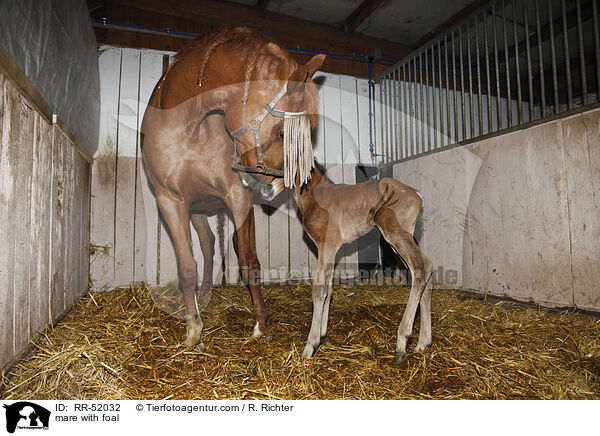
(517, 215)
(125, 218)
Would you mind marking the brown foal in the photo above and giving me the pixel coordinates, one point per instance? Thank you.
(333, 215)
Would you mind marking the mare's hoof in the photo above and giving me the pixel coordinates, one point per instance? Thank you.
(307, 352)
(398, 358)
(257, 332)
(266, 338)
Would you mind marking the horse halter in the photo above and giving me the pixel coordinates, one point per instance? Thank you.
(254, 125)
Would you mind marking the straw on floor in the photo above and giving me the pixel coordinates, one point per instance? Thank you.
(125, 344)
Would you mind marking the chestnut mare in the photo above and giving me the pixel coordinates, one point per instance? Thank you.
(237, 74)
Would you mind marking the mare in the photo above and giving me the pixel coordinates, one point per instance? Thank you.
(237, 74)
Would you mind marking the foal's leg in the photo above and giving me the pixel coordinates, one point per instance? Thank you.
(239, 202)
(425, 307)
(207, 245)
(406, 247)
(177, 217)
(321, 295)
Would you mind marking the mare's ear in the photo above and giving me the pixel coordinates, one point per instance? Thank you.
(305, 72)
(314, 64)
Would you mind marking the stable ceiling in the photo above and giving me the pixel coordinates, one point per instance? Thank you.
(386, 29)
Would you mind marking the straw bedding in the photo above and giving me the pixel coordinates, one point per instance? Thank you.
(125, 344)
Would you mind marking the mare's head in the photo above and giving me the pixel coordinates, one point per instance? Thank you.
(276, 70)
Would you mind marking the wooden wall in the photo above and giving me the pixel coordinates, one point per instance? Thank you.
(131, 242)
(517, 215)
(44, 222)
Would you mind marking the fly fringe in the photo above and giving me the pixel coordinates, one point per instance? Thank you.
(297, 149)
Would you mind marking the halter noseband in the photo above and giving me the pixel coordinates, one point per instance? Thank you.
(254, 125)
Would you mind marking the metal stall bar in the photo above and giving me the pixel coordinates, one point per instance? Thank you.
(462, 85)
(529, 72)
(426, 105)
(421, 105)
(471, 112)
(596, 44)
(395, 107)
(567, 56)
(553, 54)
(498, 96)
(540, 58)
(454, 99)
(440, 98)
(518, 67)
(416, 107)
(487, 72)
(480, 114)
(413, 139)
(581, 54)
(506, 64)
(405, 112)
(434, 100)
(447, 106)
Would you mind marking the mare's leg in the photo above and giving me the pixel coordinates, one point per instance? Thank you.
(321, 295)
(177, 217)
(207, 245)
(404, 244)
(240, 203)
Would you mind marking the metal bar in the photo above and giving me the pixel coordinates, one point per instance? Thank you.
(541, 58)
(516, 44)
(487, 71)
(428, 104)
(404, 111)
(471, 113)
(529, 73)
(498, 98)
(553, 54)
(596, 43)
(396, 126)
(421, 105)
(567, 56)
(387, 117)
(480, 114)
(506, 64)
(581, 54)
(434, 99)
(379, 146)
(413, 101)
(448, 132)
(439, 105)
(454, 99)
(462, 84)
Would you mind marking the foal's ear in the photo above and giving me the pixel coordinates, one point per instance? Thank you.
(305, 72)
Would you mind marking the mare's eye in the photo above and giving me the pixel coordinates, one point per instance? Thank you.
(281, 134)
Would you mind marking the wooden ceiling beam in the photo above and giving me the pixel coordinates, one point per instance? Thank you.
(288, 30)
(454, 19)
(262, 5)
(361, 13)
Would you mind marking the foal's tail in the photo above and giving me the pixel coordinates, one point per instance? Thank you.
(221, 236)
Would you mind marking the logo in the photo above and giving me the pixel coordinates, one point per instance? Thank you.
(26, 415)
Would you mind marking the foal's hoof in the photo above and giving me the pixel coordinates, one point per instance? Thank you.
(308, 352)
(400, 355)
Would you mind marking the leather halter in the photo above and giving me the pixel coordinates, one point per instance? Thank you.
(254, 125)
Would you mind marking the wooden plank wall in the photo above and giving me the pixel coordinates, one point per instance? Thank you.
(131, 242)
(517, 215)
(44, 230)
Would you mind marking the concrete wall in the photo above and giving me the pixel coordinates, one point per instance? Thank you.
(44, 222)
(517, 215)
(131, 241)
